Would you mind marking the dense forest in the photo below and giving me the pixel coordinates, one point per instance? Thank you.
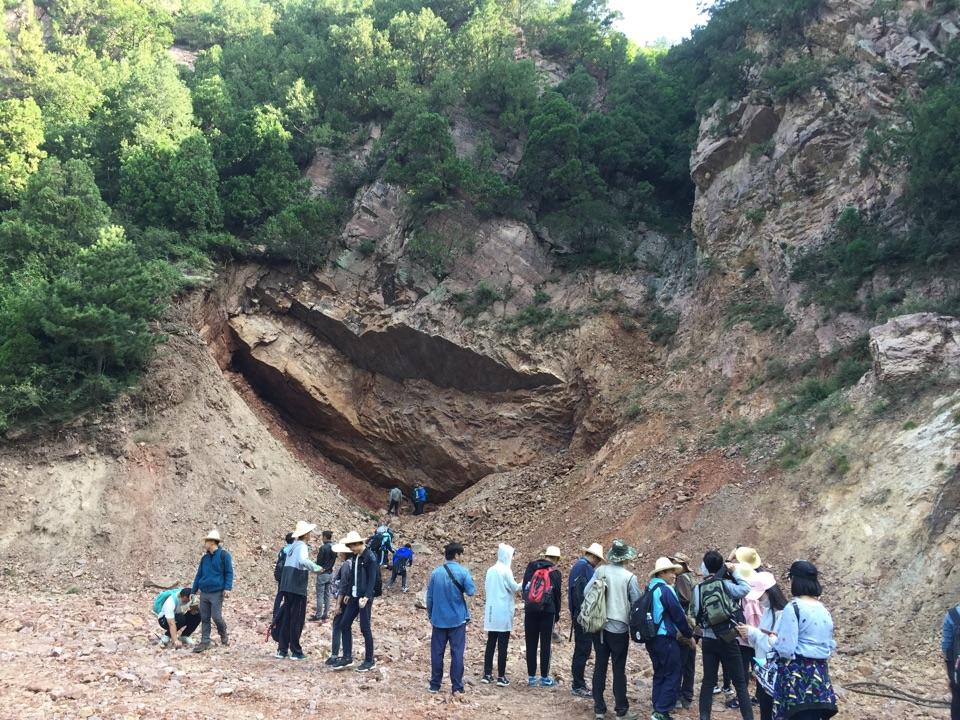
(124, 177)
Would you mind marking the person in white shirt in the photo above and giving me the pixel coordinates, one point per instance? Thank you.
(179, 617)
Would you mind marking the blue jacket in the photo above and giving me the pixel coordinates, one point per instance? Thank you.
(446, 606)
(946, 642)
(403, 557)
(420, 494)
(667, 612)
(580, 575)
(215, 572)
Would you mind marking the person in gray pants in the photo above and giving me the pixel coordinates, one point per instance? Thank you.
(326, 559)
(214, 581)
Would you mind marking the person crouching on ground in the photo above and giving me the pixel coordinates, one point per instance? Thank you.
(541, 610)
(357, 600)
(402, 559)
(293, 588)
(613, 640)
(214, 581)
(664, 649)
(178, 616)
(500, 590)
(447, 592)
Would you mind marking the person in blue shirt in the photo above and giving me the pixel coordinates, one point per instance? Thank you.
(447, 592)
(664, 649)
(419, 499)
(951, 623)
(402, 559)
(214, 581)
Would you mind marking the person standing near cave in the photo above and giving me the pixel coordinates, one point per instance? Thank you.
(294, 579)
(326, 559)
(419, 498)
(356, 597)
(542, 602)
(214, 581)
(394, 499)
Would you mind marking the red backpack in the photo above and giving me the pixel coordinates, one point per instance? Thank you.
(538, 594)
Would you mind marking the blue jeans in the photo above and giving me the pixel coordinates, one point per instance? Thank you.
(457, 637)
(667, 672)
(350, 613)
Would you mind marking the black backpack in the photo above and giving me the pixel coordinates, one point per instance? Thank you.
(378, 584)
(278, 565)
(642, 627)
(376, 543)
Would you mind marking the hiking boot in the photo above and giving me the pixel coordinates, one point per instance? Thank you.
(224, 639)
(366, 666)
(532, 681)
(314, 618)
(343, 664)
(280, 655)
(332, 660)
(548, 682)
(202, 646)
(487, 679)
(502, 682)
(581, 692)
(297, 656)
(686, 704)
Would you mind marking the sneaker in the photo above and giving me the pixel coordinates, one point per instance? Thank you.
(502, 682)
(188, 641)
(686, 704)
(581, 692)
(366, 666)
(332, 660)
(655, 716)
(297, 656)
(532, 681)
(343, 664)
(729, 691)
(280, 655)
(202, 646)
(633, 716)
(406, 589)
(717, 690)
(164, 639)
(433, 690)
(459, 691)
(733, 704)
(599, 715)
(314, 618)
(487, 679)
(548, 682)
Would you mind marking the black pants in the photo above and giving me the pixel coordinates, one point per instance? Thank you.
(747, 653)
(186, 623)
(766, 704)
(394, 508)
(401, 573)
(716, 653)
(611, 647)
(538, 630)
(955, 703)
(337, 634)
(293, 614)
(418, 507)
(688, 663)
(498, 641)
(351, 612)
(583, 644)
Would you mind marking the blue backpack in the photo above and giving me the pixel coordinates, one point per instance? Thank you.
(160, 599)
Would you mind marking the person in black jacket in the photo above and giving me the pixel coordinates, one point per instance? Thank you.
(356, 596)
(326, 559)
(541, 611)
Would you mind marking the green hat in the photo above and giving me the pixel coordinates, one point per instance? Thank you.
(620, 552)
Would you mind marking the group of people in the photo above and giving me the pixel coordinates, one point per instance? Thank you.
(737, 616)
(395, 499)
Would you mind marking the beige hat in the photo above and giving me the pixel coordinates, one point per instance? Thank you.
(552, 551)
(596, 550)
(664, 564)
(213, 535)
(352, 538)
(681, 559)
(340, 548)
(748, 556)
(302, 528)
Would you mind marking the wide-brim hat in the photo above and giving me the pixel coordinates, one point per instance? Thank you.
(302, 528)
(552, 551)
(340, 548)
(213, 535)
(352, 538)
(748, 556)
(663, 564)
(620, 552)
(681, 559)
(596, 549)
(759, 584)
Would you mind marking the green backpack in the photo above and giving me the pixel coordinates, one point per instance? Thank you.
(718, 610)
(593, 611)
(160, 599)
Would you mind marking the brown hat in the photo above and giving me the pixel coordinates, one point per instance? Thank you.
(681, 559)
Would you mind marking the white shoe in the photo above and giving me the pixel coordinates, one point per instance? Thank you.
(189, 641)
(164, 639)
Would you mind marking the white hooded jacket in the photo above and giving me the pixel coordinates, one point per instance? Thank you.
(501, 590)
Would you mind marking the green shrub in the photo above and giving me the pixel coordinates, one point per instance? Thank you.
(793, 80)
(477, 301)
(301, 233)
(663, 325)
(793, 453)
(761, 316)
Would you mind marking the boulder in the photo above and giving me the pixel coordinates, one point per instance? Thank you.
(913, 346)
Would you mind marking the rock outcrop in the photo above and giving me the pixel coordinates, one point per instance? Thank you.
(915, 347)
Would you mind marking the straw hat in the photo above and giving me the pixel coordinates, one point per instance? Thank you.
(748, 556)
(213, 535)
(759, 584)
(552, 551)
(620, 552)
(352, 538)
(302, 528)
(596, 550)
(340, 548)
(664, 564)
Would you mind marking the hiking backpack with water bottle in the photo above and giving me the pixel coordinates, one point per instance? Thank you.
(643, 629)
(593, 609)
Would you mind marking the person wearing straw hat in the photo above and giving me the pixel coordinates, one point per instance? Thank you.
(664, 649)
(293, 588)
(684, 585)
(583, 642)
(340, 580)
(541, 611)
(214, 581)
(613, 641)
(356, 597)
